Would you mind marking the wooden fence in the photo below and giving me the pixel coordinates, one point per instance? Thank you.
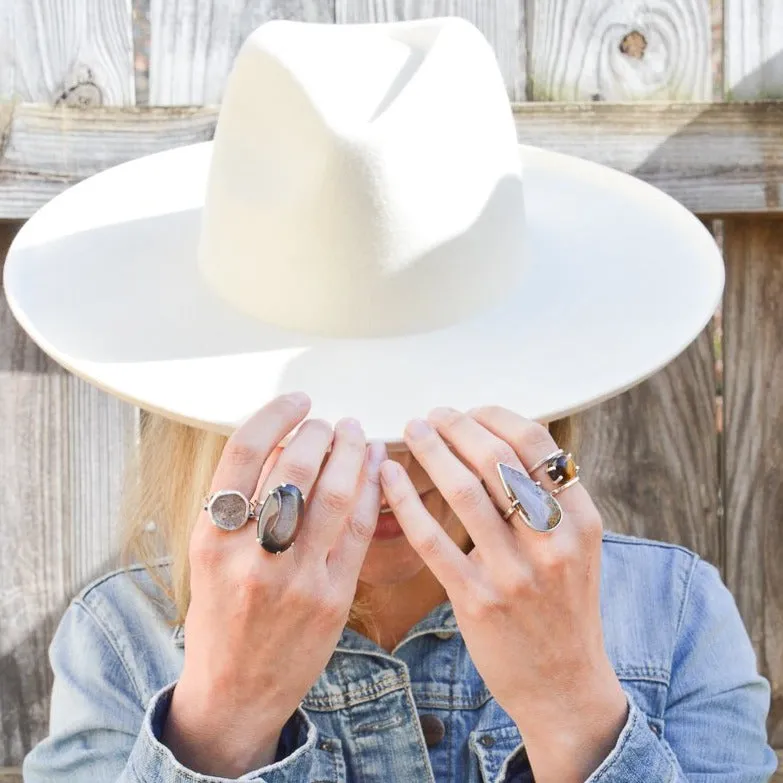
(683, 93)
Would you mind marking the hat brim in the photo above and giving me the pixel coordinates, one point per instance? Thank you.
(619, 279)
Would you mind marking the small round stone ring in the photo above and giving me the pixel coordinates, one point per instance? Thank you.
(229, 509)
(561, 469)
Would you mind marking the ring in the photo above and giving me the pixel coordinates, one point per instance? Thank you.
(280, 518)
(560, 468)
(228, 509)
(536, 507)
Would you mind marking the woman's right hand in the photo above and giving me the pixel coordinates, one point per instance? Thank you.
(261, 627)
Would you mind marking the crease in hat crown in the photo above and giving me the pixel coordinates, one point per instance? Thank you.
(365, 179)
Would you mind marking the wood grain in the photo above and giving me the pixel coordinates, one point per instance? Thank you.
(754, 49)
(49, 149)
(650, 455)
(74, 51)
(501, 21)
(62, 456)
(193, 43)
(715, 159)
(753, 448)
(618, 50)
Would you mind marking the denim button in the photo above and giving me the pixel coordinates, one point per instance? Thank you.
(433, 729)
(325, 744)
(487, 740)
(655, 729)
(444, 634)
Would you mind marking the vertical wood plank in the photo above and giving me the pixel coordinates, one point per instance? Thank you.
(754, 49)
(193, 43)
(501, 21)
(753, 450)
(63, 447)
(62, 458)
(620, 50)
(650, 457)
(74, 51)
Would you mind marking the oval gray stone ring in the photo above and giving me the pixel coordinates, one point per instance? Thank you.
(228, 509)
(280, 517)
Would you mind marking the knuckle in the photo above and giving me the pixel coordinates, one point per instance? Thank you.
(298, 473)
(240, 454)
(481, 603)
(359, 528)
(334, 500)
(591, 529)
(515, 585)
(536, 436)
(204, 550)
(428, 545)
(553, 561)
(500, 452)
(468, 494)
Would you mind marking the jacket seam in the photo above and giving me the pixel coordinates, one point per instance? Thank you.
(683, 606)
(110, 639)
(126, 569)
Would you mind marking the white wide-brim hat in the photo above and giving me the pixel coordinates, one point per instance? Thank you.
(365, 228)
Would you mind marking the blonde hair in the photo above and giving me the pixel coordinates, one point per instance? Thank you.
(166, 480)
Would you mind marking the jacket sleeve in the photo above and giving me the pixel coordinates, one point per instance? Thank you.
(716, 711)
(100, 729)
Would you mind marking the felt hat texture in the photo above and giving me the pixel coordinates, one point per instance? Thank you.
(366, 228)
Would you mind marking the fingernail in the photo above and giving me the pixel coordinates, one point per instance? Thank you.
(377, 452)
(350, 424)
(297, 398)
(417, 429)
(390, 471)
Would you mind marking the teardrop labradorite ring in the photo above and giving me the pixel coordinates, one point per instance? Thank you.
(535, 506)
(280, 518)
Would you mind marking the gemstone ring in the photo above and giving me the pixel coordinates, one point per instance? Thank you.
(228, 509)
(561, 468)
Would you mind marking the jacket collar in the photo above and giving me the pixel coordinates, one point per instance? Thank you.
(439, 620)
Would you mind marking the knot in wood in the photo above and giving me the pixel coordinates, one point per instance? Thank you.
(82, 93)
(634, 45)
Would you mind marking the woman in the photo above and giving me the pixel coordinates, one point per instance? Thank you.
(482, 632)
(449, 608)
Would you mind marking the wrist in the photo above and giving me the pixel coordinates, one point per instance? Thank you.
(569, 744)
(207, 736)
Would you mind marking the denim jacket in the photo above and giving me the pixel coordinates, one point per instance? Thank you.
(697, 704)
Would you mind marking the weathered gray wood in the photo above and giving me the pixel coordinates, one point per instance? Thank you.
(620, 50)
(753, 447)
(62, 456)
(650, 456)
(501, 21)
(754, 49)
(76, 51)
(715, 159)
(11, 775)
(193, 43)
(49, 149)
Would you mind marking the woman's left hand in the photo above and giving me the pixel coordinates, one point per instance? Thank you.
(526, 602)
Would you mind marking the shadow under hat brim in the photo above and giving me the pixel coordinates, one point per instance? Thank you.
(619, 278)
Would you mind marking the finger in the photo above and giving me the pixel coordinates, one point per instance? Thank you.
(482, 450)
(440, 554)
(299, 464)
(347, 554)
(335, 491)
(461, 489)
(250, 446)
(532, 441)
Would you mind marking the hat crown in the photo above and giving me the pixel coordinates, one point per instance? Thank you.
(365, 179)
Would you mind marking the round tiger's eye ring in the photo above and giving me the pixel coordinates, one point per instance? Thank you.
(560, 467)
